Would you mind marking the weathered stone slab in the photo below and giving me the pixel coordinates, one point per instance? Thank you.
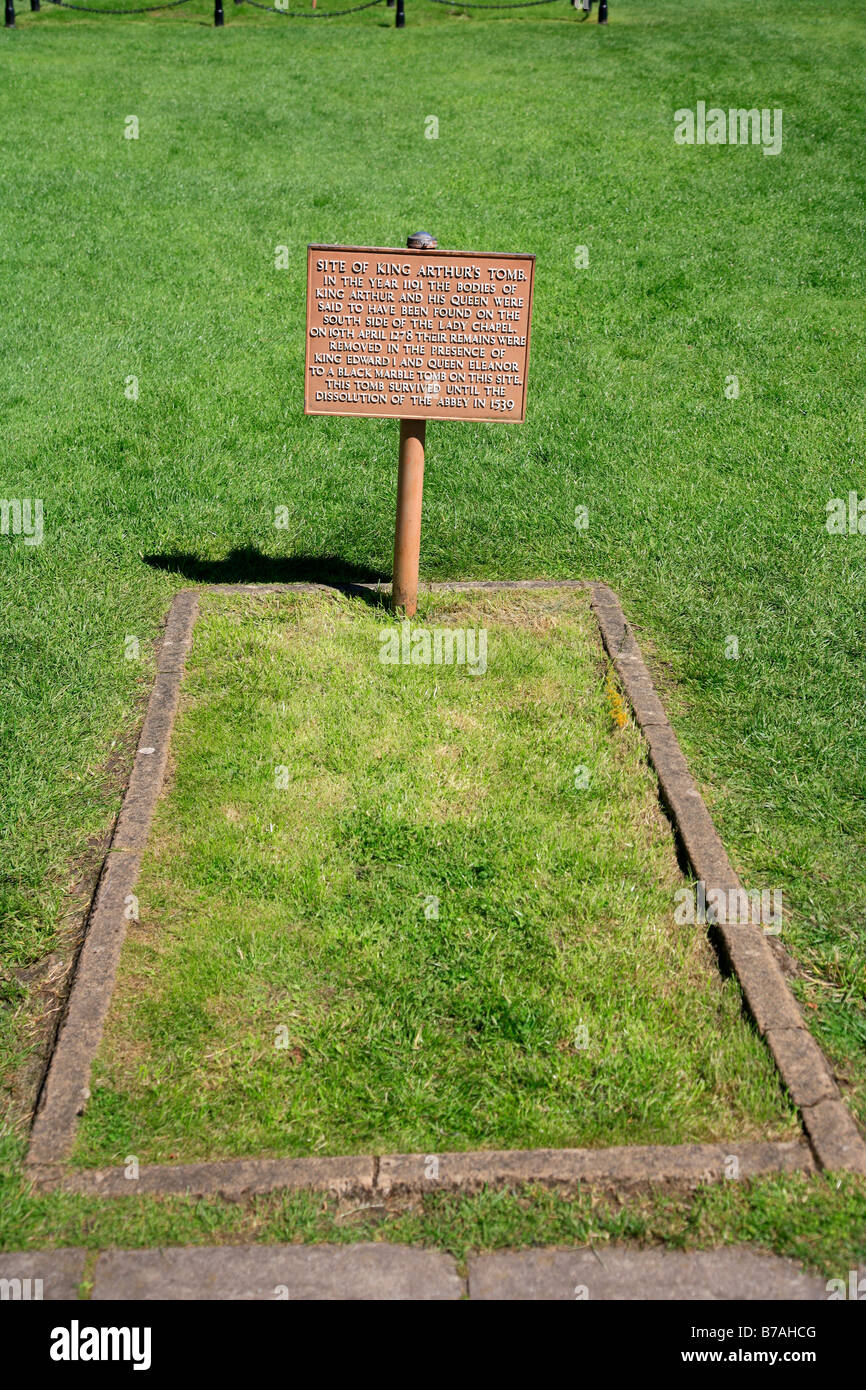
(626, 1166)
(278, 1272)
(621, 1273)
(834, 1136)
(802, 1064)
(770, 1001)
(177, 640)
(35, 1275)
(229, 1178)
(145, 783)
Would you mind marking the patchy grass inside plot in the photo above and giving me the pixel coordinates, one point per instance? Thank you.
(382, 911)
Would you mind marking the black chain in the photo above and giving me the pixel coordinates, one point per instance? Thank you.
(318, 14)
(144, 9)
(309, 14)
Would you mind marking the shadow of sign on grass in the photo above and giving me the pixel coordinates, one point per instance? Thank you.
(248, 565)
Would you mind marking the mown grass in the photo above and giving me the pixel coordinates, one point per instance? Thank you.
(155, 258)
(382, 910)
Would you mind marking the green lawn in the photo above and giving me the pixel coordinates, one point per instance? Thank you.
(154, 258)
(384, 911)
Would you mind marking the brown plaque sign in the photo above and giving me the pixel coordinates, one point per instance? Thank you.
(417, 334)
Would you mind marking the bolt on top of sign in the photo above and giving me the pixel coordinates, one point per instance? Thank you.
(417, 334)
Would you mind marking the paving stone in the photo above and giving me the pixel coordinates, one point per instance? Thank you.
(621, 1273)
(665, 749)
(647, 706)
(770, 1001)
(638, 1165)
(60, 1273)
(802, 1064)
(611, 621)
(177, 640)
(232, 1179)
(148, 770)
(274, 1272)
(834, 1136)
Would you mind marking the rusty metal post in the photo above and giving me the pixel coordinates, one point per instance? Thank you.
(410, 492)
(407, 533)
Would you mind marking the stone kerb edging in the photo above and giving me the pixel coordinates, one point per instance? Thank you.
(400, 1175)
(832, 1134)
(66, 1087)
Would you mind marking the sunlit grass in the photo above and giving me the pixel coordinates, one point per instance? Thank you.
(155, 258)
(414, 907)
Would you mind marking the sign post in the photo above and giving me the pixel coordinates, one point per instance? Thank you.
(416, 335)
(410, 492)
(407, 533)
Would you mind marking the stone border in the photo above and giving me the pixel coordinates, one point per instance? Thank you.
(65, 1089)
(831, 1130)
(834, 1138)
(403, 1175)
(365, 1270)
